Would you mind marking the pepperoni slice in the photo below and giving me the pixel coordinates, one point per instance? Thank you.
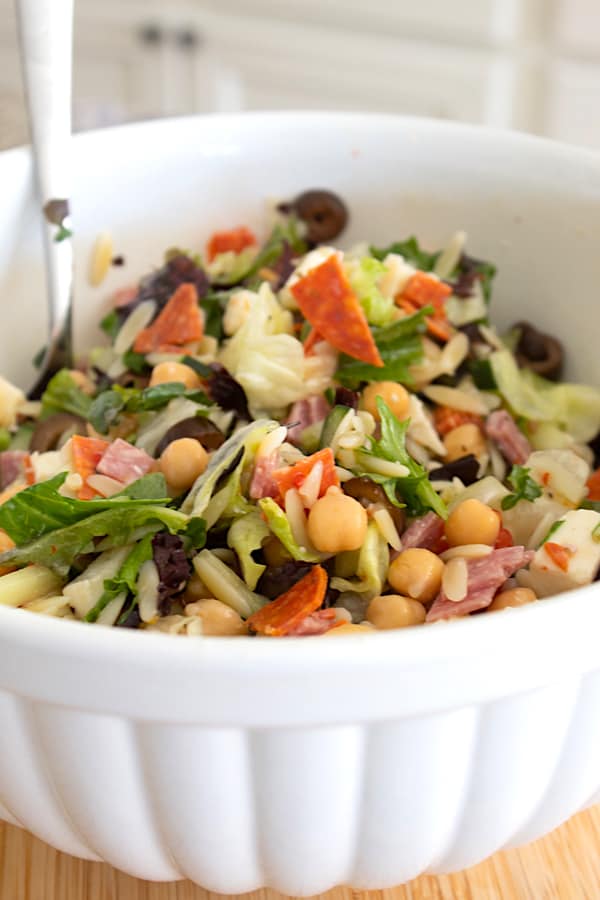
(424, 289)
(178, 323)
(236, 240)
(283, 616)
(328, 302)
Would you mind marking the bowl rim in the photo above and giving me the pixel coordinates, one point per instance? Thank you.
(412, 646)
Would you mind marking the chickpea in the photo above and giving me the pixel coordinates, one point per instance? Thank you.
(472, 522)
(417, 573)
(182, 462)
(217, 618)
(512, 597)
(394, 611)
(195, 589)
(463, 440)
(348, 628)
(274, 552)
(174, 371)
(82, 381)
(336, 522)
(392, 393)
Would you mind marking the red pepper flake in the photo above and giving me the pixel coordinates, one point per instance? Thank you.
(328, 302)
(559, 554)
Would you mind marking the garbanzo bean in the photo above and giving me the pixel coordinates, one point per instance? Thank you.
(174, 371)
(394, 611)
(395, 395)
(274, 552)
(472, 522)
(463, 440)
(181, 463)
(195, 589)
(512, 597)
(217, 618)
(417, 573)
(348, 628)
(336, 522)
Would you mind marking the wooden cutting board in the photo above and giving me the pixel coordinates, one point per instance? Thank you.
(563, 866)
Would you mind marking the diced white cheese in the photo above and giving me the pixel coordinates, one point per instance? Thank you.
(576, 534)
(562, 474)
(396, 276)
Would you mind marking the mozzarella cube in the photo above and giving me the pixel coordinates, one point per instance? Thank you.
(562, 475)
(574, 532)
(397, 275)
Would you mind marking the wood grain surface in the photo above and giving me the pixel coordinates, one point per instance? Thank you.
(563, 866)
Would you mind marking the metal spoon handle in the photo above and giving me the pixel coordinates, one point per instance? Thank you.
(46, 40)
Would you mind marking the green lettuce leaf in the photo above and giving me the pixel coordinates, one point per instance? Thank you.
(62, 394)
(415, 488)
(400, 347)
(110, 528)
(279, 524)
(245, 536)
(40, 509)
(107, 406)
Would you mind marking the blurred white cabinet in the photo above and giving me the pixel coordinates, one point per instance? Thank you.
(576, 25)
(529, 64)
(573, 103)
(277, 65)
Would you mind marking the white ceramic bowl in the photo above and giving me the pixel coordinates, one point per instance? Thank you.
(301, 764)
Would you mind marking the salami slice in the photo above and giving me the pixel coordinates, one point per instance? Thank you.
(124, 462)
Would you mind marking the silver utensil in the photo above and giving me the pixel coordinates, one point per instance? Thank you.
(46, 40)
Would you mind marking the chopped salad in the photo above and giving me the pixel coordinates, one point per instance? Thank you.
(286, 439)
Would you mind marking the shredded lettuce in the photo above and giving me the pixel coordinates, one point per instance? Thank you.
(412, 253)
(364, 275)
(225, 585)
(223, 462)
(264, 357)
(371, 567)
(126, 579)
(63, 394)
(574, 408)
(279, 524)
(245, 537)
(231, 267)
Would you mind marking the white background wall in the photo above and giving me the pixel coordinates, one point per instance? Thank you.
(527, 64)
